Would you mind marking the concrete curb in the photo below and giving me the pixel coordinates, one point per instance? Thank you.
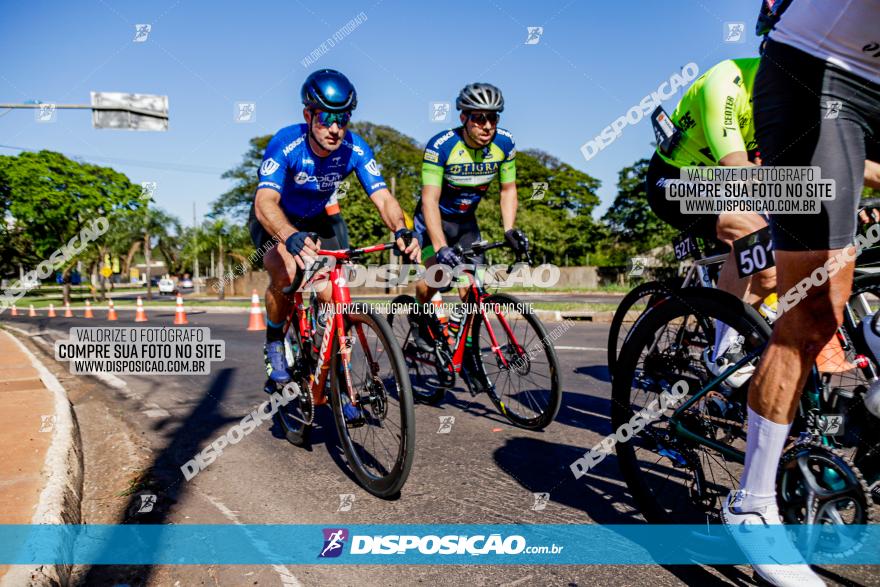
(59, 501)
(561, 316)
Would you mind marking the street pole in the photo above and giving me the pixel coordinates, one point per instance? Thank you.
(196, 288)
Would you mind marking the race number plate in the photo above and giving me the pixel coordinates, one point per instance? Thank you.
(684, 245)
(754, 252)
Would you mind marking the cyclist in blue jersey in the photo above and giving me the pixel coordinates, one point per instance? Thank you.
(301, 169)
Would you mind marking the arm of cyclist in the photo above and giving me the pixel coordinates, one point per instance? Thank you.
(872, 174)
(872, 180)
(737, 159)
(720, 120)
(267, 207)
(392, 215)
(509, 204)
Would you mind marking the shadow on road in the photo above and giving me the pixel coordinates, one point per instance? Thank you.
(600, 494)
(164, 479)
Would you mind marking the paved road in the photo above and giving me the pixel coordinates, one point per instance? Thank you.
(484, 471)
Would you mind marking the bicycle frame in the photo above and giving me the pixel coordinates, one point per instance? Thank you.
(808, 407)
(340, 297)
(474, 299)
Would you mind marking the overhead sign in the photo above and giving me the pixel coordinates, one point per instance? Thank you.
(126, 111)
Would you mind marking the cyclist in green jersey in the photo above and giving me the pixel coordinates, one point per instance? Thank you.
(457, 168)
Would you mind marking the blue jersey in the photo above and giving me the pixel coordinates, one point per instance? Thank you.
(305, 181)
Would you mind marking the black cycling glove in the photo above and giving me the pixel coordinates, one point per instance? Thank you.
(297, 241)
(517, 240)
(448, 256)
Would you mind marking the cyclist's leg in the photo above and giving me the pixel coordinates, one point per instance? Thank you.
(281, 268)
(791, 89)
(755, 288)
(424, 292)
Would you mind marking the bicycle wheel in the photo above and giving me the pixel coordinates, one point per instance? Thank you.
(673, 478)
(517, 363)
(295, 418)
(380, 444)
(633, 305)
(428, 378)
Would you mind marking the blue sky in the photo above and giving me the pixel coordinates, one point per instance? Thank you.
(594, 61)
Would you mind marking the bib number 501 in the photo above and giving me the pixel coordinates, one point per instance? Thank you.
(754, 252)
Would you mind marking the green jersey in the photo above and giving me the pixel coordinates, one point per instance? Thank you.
(715, 115)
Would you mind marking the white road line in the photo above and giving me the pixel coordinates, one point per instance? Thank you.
(580, 348)
(287, 577)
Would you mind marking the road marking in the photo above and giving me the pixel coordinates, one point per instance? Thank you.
(580, 348)
(287, 577)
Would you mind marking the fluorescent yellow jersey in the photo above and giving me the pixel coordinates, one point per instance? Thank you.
(715, 115)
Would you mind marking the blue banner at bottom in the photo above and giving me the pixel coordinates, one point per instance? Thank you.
(437, 544)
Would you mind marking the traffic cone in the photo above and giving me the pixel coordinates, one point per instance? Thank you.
(111, 311)
(31, 312)
(52, 313)
(88, 313)
(140, 315)
(68, 313)
(179, 312)
(256, 321)
(14, 311)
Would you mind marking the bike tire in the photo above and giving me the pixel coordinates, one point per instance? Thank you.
(544, 416)
(706, 305)
(424, 388)
(650, 292)
(387, 485)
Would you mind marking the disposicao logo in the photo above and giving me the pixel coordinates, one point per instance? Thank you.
(334, 541)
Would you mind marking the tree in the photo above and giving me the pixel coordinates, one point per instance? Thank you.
(50, 198)
(633, 227)
(563, 216)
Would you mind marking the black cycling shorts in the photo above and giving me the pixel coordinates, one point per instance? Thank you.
(699, 225)
(320, 224)
(808, 112)
(461, 231)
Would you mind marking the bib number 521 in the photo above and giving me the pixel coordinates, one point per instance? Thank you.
(754, 252)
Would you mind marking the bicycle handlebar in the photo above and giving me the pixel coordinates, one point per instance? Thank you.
(483, 246)
(343, 255)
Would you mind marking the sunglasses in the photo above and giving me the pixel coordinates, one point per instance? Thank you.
(480, 118)
(328, 118)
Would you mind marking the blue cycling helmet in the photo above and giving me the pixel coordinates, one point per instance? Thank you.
(330, 91)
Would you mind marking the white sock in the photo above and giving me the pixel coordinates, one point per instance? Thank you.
(724, 336)
(764, 443)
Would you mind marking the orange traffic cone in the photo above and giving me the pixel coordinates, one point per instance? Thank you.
(14, 311)
(88, 313)
(52, 313)
(31, 312)
(68, 313)
(256, 321)
(179, 312)
(140, 315)
(832, 358)
(111, 311)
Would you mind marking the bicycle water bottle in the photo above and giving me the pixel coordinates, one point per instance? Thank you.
(440, 313)
(872, 339)
(769, 308)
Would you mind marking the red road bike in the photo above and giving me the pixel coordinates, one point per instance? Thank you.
(346, 354)
(510, 356)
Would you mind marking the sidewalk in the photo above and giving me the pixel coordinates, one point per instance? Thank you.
(40, 472)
